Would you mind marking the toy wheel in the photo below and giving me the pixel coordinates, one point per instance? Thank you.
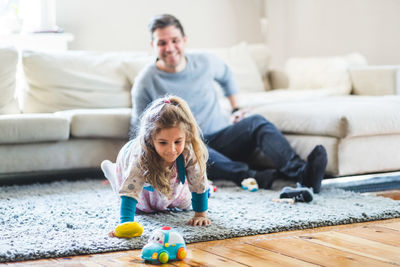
(181, 254)
(163, 257)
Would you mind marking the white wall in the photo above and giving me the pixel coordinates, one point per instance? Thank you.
(334, 27)
(122, 24)
(295, 27)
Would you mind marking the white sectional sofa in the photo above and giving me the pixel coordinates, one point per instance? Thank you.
(74, 108)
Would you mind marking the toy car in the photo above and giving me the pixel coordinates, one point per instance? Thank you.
(164, 244)
(250, 184)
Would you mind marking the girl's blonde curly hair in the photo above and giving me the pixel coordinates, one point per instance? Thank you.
(164, 113)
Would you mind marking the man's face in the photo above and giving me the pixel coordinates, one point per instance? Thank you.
(169, 45)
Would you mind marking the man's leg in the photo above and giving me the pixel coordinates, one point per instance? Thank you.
(231, 147)
(220, 166)
(278, 150)
(239, 140)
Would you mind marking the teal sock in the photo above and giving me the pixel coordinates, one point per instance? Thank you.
(128, 208)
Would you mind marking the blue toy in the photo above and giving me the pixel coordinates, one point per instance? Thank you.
(164, 245)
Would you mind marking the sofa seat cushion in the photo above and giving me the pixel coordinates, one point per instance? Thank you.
(254, 99)
(33, 128)
(73, 154)
(98, 123)
(369, 154)
(344, 116)
(304, 144)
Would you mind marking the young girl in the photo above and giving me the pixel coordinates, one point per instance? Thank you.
(163, 167)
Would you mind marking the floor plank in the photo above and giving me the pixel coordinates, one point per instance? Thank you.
(393, 194)
(359, 246)
(373, 243)
(198, 257)
(128, 258)
(300, 248)
(392, 225)
(252, 255)
(43, 262)
(376, 233)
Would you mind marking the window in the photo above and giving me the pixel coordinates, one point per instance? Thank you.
(28, 16)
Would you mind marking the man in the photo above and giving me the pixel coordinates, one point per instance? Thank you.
(191, 76)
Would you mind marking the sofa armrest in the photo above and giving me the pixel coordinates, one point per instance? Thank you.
(278, 79)
(375, 80)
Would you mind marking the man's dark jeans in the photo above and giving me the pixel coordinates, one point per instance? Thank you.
(231, 148)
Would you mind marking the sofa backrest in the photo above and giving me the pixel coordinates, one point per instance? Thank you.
(249, 64)
(323, 72)
(376, 80)
(8, 68)
(261, 55)
(79, 79)
(66, 80)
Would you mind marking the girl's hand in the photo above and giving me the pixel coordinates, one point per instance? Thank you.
(111, 234)
(199, 219)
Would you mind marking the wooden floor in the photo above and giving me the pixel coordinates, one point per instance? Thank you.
(365, 244)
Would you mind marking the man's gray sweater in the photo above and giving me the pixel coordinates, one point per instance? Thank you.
(195, 84)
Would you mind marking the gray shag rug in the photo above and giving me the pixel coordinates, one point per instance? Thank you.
(370, 184)
(73, 218)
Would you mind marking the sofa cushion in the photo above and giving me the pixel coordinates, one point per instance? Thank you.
(304, 144)
(134, 66)
(32, 128)
(77, 79)
(345, 116)
(254, 99)
(72, 155)
(8, 68)
(369, 154)
(98, 123)
(261, 54)
(322, 72)
(376, 80)
(244, 68)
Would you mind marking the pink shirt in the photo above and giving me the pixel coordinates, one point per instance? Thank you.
(128, 181)
(180, 196)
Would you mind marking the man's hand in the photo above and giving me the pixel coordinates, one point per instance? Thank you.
(199, 219)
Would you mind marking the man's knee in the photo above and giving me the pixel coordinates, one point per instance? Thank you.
(257, 120)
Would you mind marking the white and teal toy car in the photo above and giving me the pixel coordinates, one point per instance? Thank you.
(164, 245)
(250, 184)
